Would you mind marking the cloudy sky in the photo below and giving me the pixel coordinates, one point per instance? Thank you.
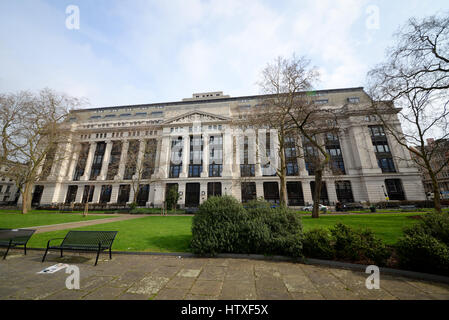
(132, 52)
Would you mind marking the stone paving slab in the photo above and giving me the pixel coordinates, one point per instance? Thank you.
(143, 277)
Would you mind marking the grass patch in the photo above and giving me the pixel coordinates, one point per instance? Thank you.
(155, 234)
(19, 220)
(387, 226)
(173, 234)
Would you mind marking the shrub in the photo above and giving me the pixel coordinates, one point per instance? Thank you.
(424, 246)
(278, 230)
(358, 245)
(217, 226)
(222, 225)
(318, 244)
(172, 197)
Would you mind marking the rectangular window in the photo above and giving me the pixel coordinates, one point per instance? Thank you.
(248, 191)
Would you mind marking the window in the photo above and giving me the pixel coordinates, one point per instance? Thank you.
(321, 101)
(394, 189)
(105, 195)
(141, 114)
(377, 131)
(271, 192)
(386, 164)
(353, 99)
(295, 194)
(324, 199)
(248, 191)
(125, 115)
(344, 191)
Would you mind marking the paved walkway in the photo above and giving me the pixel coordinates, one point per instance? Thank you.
(175, 278)
(78, 224)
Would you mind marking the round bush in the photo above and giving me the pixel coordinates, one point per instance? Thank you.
(222, 225)
(217, 226)
(318, 244)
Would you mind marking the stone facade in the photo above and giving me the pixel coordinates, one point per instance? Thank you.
(195, 146)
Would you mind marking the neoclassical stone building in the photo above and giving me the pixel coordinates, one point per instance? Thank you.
(194, 145)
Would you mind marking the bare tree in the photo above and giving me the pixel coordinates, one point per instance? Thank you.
(281, 82)
(33, 133)
(141, 163)
(413, 83)
(313, 125)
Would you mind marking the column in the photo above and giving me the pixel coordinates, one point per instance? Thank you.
(88, 167)
(105, 163)
(307, 191)
(157, 161)
(185, 155)
(203, 191)
(258, 168)
(96, 195)
(205, 156)
(123, 158)
(74, 160)
(79, 194)
(331, 192)
(236, 157)
(275, 161)
(227, 153)
(182, 194)
(114, 193)
(139, 169)
(301, 161)
(259, 189)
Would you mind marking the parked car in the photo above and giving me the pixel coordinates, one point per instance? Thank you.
(310, 208)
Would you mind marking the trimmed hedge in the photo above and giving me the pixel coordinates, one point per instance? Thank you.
(223, 225)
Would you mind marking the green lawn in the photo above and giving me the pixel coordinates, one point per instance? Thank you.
(155, 234)
(387, 226)
(173, 234)
(18, 220)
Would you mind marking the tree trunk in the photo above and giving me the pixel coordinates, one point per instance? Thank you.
(317, 193)
(436, 192)
(26, 198)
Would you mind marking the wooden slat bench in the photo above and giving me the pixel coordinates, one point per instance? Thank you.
(85, 241)
(15, 237)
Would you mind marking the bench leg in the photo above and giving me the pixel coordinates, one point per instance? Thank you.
(25, 249)
(45, 254)
(7, 250)
(110, 253)
(98, 254)
(61, 253)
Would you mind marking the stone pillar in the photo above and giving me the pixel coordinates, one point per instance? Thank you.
(236, 145)
(159, 194)
(89, 160)
(114, 193)
(205, 172)
(123, 159)
(257, 149)
(227, 153)
(73, 162)
(157, 161)
(185, 156)
(307, 191)
(346, 151)
(97, 193)
(79, 193)
(259, 189)
(142, 145)
(275, 161)
(331, 192)
(105, 163)
(182, 194)
(203, 191)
